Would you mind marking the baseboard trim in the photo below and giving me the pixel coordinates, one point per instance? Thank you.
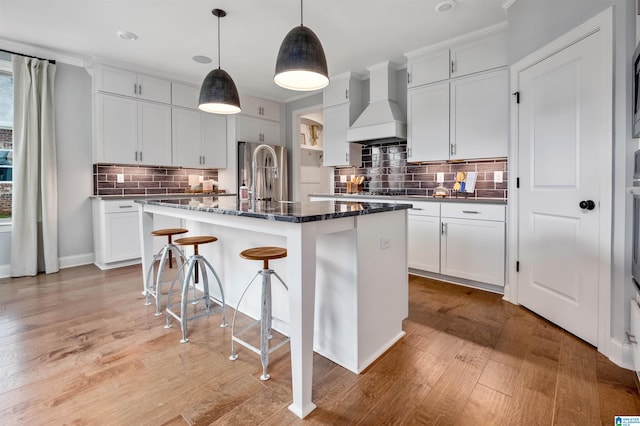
(76, 260)
(64, 262)
(620, 354)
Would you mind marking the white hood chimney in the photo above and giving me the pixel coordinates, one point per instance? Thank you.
(382, 120)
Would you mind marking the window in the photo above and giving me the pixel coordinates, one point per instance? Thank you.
(6, 140)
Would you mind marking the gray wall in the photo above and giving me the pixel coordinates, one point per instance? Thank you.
(534, 23)
(73, 136)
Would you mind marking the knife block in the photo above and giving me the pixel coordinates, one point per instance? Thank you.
(353, 188)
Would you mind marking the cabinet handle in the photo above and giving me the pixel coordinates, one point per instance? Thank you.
(408, 77)
(470, 211)
(140, 155)
(125, 207)
(136, 155)
(140, 89)
(203, 160)
(443, 228)
(346, 157)
(452, 68)
(135, 89)
(409, 153)
(452, 149)
(416, 208)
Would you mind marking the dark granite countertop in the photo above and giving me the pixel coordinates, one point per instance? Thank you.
(410, 198)
(294, 212)
(158, 196)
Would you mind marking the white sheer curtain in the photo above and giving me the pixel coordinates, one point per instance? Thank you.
(34, 234)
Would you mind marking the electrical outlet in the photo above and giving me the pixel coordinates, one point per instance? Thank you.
(440, 177)
(120, 178)
(343, 178)
(385, 242)
(497, 177)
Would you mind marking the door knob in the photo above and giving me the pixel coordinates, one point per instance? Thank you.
(587, 205)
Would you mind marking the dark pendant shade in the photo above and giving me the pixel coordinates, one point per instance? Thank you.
(301, 63)
(219, 94)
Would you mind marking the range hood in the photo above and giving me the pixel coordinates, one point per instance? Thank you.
(382, 120)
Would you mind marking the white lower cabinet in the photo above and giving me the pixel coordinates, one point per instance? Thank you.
(472, 243)
(423, 225)
(116, 232)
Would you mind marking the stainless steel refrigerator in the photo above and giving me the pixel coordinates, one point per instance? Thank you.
(267, 186)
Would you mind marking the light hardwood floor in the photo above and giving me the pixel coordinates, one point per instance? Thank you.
(79, 347)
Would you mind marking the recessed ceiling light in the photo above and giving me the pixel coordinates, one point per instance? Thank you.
(126, 35)
(445, 5)
(201, 59)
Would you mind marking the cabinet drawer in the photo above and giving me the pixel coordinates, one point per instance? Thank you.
(120, 206)
(422, 208)
(474, 211)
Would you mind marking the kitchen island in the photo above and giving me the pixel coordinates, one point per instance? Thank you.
(346, 271)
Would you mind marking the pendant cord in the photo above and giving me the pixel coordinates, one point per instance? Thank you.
(301, 14)
(218, 42)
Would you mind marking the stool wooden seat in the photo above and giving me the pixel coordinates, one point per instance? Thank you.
(266, 317)
(169, 232)
(195, 241)
(192, 266)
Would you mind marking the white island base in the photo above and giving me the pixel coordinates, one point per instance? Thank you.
(347, 279)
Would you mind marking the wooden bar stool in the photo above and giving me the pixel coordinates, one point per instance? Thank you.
(191, 266)
(154, 289)
(265, 254)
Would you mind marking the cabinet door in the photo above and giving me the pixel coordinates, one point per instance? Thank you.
(480, 115)
(247, 128)
(116, 80)
(122, 236)
(269, 110)
(270, 132)
(250, 105)
(185, 95)
(337, 151)
(473, 250)
(117, 128)
(424, 242)
(428, 69)
(154, 89)
(336, 93)
(186, 138)
(479, 55)
(428, 123)
(214, 141)
(154, 134)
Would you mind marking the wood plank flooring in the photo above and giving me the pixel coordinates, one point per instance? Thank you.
(79, 347)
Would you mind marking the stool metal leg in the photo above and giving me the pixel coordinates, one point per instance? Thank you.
(265, 324)
(196, 262)
(156, 290)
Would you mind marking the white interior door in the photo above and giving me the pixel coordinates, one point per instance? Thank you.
(561, 132)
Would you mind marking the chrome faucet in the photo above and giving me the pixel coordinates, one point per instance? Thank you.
(254, 168)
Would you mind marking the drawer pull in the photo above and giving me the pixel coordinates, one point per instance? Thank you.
(470, 211)
(416, 208)
(125, 207)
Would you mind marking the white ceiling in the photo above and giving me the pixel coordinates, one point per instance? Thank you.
(355, 33)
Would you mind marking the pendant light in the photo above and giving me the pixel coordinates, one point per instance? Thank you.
(301, 63)
(218, 93)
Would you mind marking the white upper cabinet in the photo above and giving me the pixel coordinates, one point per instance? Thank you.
(342, 100)
(470, 55)
(344, 88)
(260, 108)
(185, 95)
(428, 68)
(128, 83)
(428, 123)
(199, 139)
(132, 132)
(251, 129)
(479, 115)
(479, 55)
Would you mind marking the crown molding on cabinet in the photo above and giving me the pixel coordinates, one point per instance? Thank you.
(508, 3)
(457, 40)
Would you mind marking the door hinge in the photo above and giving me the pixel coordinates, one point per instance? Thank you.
(517, 95)
(518, 266)
(517, 182)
